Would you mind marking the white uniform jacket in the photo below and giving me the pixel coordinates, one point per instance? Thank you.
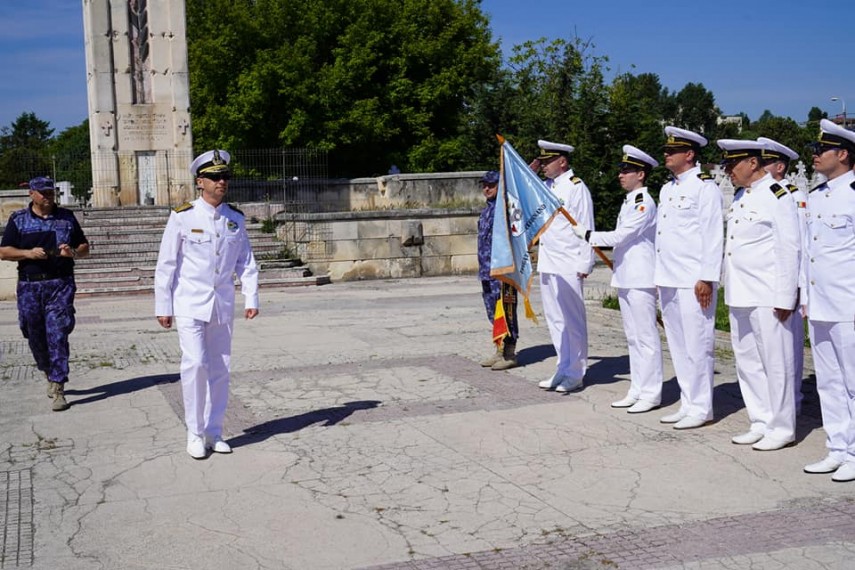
(633, 239)
(689, 232)
(202, 249)
(561, 252)
(829, 251)
(761, 252)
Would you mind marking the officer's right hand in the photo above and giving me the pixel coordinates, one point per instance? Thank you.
(38, 253)
(535, 165)
(165, 322)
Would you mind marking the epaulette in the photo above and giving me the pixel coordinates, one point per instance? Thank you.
(704, 176)
(235, 208)
(778, 190)
(852, 185)
(817, 187)
(792, 188)
(576, 180)
(639, 198)
(183, 207)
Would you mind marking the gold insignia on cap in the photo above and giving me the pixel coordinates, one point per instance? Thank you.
(217, 160)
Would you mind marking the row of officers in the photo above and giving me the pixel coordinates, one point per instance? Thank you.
(785, 256)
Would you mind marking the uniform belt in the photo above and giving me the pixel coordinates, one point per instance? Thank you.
(29, 277)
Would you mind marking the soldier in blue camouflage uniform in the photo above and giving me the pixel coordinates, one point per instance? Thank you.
(493, 289)
(44, 239)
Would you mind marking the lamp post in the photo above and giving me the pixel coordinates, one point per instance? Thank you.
(843, 102)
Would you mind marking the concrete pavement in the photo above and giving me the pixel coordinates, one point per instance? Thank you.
(366, 435)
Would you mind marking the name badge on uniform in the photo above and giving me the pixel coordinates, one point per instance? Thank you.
(197, 231)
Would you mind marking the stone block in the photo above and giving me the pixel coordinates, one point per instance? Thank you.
(450, 245)
(345, 230)
(464, 264)
(378, 228)
(451, 226)
(436, 265)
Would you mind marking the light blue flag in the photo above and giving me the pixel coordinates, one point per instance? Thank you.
(524, 209)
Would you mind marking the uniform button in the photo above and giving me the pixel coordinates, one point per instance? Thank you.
(736, 221)
(742, 205)
(664, 215)
(659, 233)
(731, 237)
(818, 216)
(218, 235)
(812, 282)
(657, 250)
(811, 260)
(728, 254)
(814, 238)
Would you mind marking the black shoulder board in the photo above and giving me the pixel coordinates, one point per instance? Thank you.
(183, 207)
(704, 176)
(817, 187)
(852, 185)
(792, 188)
(235, 208)
(778, 190)
(576, 180)
(639, 198)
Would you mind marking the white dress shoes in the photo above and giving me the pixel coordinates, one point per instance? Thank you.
(747, 438)
(827, 465)
(196, 446)
(569, 385)
(845, 472)
(771, 444)
(690, 422)
(642, 406)
(551, 383)
(625, 403)
(217, 445)
(672, 418)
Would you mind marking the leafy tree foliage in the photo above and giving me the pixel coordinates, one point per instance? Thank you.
(374, 82)
(70, 153)
(23, 147)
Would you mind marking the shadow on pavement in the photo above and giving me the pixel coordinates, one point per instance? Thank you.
(533, 354)
(330, 417)
(119, 388)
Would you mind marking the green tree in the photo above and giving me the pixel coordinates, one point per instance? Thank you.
(72, 162)
(374, 82)
(816, 114)
(23, 147)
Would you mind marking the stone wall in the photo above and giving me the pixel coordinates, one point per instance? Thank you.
(384, 244)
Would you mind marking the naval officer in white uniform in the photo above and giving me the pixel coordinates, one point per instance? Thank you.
(204, 245)
(760, 276)
(689, 236)
(829, 275)
(634, 257)
(777, 158)
(563, 262)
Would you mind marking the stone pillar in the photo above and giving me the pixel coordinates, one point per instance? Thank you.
(138, 86)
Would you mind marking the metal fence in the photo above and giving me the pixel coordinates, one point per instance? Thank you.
(292, 178)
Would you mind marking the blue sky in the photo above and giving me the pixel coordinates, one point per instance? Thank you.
(796, 55)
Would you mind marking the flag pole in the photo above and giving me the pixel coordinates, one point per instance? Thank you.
(599, 252)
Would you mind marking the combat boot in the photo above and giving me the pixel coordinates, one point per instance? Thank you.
(508, 356)
(51, 388)
(493, 358)
(59, 404)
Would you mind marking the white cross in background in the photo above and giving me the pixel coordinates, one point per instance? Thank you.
(107, 127)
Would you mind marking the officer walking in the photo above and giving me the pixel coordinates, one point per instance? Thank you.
(634, 256)
(45, 239)
(563, 262)
(777, 159)
(761, 263)
(689, 240)
(204, 245)
(829, 278)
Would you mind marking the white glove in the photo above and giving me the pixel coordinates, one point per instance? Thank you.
(580, 231)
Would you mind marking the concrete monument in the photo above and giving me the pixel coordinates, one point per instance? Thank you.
(139, 104)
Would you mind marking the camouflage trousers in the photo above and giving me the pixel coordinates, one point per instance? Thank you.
(46, 317)
(491, 292)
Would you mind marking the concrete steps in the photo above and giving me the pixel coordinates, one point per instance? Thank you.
(124, 243)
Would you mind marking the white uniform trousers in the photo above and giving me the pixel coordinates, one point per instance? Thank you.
(763, 350)
(690, 332)
(638, 311)
(205, 358)
(564, 309)
(798, 326)
(833, 346)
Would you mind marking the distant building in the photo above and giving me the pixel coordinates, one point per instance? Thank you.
(730, 120)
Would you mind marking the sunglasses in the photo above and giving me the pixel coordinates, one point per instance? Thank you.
(818, 148)
(216, 176)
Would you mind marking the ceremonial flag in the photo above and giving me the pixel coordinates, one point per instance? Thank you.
(524, 209)
(500, 323)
